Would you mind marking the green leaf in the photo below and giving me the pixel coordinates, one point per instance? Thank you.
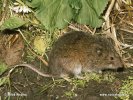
(75, 4)
(58, 13)
(99, 6)
(3, 67)
(90, 12)
(12, 22)
(54, 13)
(34, 3)
(4, 80)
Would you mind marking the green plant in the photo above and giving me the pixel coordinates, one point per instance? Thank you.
(70, 94)
(12, 23)
(109, 77)
(93, 76)
(57, 14)
(3, 67)
(4, 80)
(126, 89)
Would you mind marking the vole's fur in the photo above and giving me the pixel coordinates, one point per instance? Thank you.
(77, 52)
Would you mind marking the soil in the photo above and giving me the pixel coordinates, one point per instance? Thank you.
(30, 86)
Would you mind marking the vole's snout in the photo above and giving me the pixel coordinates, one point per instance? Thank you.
(120, 69)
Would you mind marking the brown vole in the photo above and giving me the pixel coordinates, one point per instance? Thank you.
(77, 52)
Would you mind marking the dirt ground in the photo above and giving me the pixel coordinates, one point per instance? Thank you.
(27, 85)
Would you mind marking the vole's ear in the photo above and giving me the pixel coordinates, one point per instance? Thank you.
(99, 51)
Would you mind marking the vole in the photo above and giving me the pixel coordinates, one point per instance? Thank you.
(77, 52)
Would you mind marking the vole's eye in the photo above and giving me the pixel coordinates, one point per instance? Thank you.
(111, 58)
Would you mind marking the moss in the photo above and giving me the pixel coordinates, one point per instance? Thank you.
(109, 77)
(70, 94)
(78, 83)
(127, 89)
(93, 76)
